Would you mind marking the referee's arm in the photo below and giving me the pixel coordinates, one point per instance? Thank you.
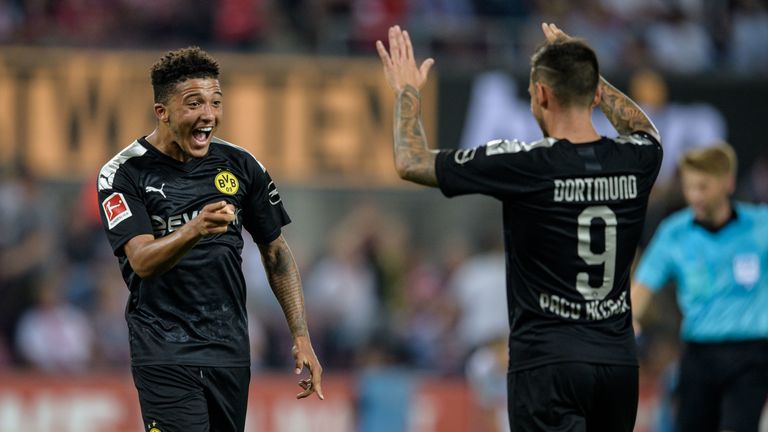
(641, 297)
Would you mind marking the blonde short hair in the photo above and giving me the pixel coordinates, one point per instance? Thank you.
(718, 160)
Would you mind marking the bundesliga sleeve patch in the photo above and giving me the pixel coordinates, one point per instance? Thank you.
(116, 209)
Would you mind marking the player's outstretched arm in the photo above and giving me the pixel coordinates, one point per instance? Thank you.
(414, 161)
(151, 257)
(284, 279)
(623, 113)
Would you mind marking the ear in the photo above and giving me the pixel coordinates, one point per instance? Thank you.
(598, 96)
(543, 94)
(161, 113)
(730, 185)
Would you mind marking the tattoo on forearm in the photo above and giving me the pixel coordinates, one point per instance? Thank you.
(413, 158)
(286, 284)
(623, 113)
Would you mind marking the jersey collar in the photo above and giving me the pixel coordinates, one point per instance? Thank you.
(734, 216)
(183, 166)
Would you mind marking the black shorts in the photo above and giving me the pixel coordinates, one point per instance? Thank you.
(722, 386)
(176, 398)
(573, 397)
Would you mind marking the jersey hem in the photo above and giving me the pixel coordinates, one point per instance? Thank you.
(588, 361)
(272, 236)
(241, 363)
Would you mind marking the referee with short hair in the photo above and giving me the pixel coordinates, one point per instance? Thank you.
(716, 251)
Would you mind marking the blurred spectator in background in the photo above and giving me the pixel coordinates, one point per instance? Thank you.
(477, 288)
(82, 244)
(10, 19)
(111, 347)
(748, 53)
(495, 110)
(240, 23)
(341, 294)
(757, 179)
(372, 18)
(715, 251)
(27, 220)
(678, 44)
(428, 319)
(486, 372)
(691, 36)
(53, 335)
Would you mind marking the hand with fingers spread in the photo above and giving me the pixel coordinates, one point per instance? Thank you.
(304, 355)
(399, 64)
(553, 33)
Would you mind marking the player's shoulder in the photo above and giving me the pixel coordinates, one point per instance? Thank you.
(117, 162)
(676, 223)
(506, 146)
(638, 138)
(234, 151)
(754, 211)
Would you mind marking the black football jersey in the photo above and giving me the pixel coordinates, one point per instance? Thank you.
(573, 215)
(195, 313)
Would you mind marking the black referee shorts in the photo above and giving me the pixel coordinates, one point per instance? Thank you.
(176, 398)
(723, 386)
(573, 397)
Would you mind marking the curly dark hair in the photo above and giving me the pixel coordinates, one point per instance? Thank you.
(570, 68)
(181, 65)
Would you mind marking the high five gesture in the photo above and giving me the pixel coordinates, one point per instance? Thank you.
(413, 160)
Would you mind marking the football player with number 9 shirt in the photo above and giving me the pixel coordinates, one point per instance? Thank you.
(574, 204)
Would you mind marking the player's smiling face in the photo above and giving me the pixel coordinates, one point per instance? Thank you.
(193, 113)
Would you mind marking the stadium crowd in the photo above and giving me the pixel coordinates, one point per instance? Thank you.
(680, 36)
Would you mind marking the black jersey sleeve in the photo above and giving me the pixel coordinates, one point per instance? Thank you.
(123, 213)
(652, 151)
(498, 168)
(263, 211)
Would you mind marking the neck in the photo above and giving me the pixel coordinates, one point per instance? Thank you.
(721, 215)
(163, 141)
(573, 124)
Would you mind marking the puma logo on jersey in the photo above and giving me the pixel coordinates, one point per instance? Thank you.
(154, 189)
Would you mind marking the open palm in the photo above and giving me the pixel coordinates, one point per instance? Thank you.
(399, 64)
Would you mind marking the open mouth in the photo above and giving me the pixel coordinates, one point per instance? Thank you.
(202, 134)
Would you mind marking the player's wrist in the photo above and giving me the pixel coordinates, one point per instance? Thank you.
(302, 339)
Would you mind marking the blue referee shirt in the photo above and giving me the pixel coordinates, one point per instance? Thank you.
(721, 277)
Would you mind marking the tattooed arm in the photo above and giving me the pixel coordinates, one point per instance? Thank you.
(413, 160)
(284, 279)
(623, 113)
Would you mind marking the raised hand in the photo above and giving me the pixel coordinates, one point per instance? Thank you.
(399, 64)
(553, 33)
